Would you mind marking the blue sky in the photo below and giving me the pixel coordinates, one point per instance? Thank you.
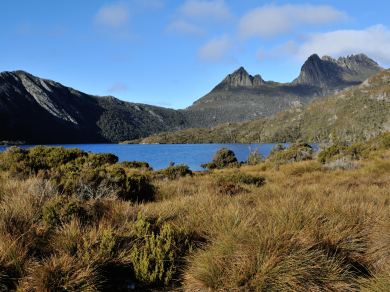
(171, 53)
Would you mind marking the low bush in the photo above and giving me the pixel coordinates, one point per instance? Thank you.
(344, 163)
(298, 151)
(61, 211)
(228, 188)
(239, 177)
(137, 164)
(173, 172)
(210, 165)
(158, 250)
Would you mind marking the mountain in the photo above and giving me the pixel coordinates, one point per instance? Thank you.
(41, 111)
(242, 97)
(357, 113)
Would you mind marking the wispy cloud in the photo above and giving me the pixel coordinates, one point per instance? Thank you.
(184, 27)
(373, 42)
(27, 29)
(216, 50)
(206, 10)
(195, 17)
(271, 20)
(113, 15)
(117, 87)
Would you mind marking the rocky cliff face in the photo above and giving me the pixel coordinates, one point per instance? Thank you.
(327, 72)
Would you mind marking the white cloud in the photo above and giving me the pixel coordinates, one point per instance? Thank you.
(183, 27)
(206, 10)
(374, 42)
(114, 15)
(270, 20)
(118, 87)
(284, 50)
(216, 49)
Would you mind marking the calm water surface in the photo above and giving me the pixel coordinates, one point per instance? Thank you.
(159, 156)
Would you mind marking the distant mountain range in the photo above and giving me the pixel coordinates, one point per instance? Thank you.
(42, 111)
(358, 113)
(241, 97)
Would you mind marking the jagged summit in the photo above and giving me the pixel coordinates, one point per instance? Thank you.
(240, 79)
(327, 72)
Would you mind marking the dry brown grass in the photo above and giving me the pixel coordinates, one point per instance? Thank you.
(306, 229)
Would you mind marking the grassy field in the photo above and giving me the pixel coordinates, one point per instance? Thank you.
(308, 227)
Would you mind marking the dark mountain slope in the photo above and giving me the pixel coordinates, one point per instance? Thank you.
(41, 111)
(241, 97)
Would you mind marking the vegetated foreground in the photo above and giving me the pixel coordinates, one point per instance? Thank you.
(76, 221)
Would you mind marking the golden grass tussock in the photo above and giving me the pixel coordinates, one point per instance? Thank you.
(307, 228)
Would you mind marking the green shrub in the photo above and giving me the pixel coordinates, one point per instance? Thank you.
(61, 211)
(331, 152)
(223, 157)
(158, 252)
(137, 164)
(254, 158)
(386, 142)
(239, 177)
(42, 157)
(173, 172)
(210, 165)
(14, 159)
(298, 151)
(276, 149)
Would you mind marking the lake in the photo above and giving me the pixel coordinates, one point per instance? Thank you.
(159, 156)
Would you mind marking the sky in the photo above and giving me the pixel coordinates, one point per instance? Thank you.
(170, 53)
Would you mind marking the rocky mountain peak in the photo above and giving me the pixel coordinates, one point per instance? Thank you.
(240, 78)
(327, 72)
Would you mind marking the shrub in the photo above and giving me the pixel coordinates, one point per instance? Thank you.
(210, 165)
(223, 157)
(276, 149)
(298, 151)
(255, 158)
(42, 157)
(137, 164)
(61, 273)
(88, 180)
(344, 163)
(239, 177)
(155, 256)
(173, 172)
(228, 188)
(61, 211)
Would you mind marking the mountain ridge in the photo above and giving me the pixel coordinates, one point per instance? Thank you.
(42, 111)
(356, 114)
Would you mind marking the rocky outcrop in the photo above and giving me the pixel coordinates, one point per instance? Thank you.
(240, 79)
(327, 72)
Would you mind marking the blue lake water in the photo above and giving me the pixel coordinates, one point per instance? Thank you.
(159, 156)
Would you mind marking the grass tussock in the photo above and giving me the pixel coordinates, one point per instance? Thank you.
(302, 226)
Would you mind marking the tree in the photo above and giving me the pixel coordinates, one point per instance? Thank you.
(334, 138)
